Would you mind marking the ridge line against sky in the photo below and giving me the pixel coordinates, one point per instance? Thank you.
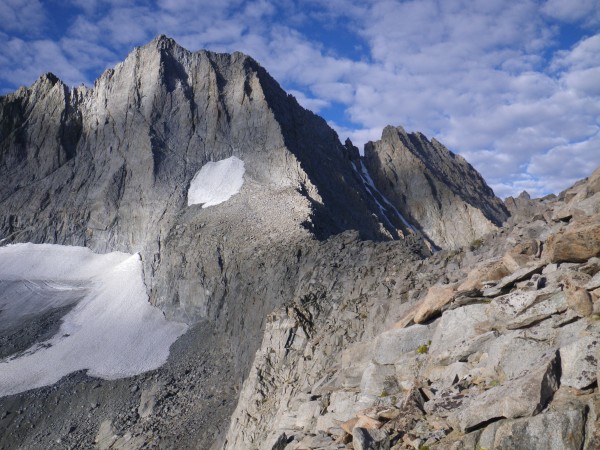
(514, 87)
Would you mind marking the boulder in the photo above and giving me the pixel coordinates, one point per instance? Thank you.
(457, 333)
(524, 396)
(580, 301)
(515, 262)
(317, 441)
(106, 436)
(437, 297)
(541, 307)
(508, 281)
(368, 423)
(579, 363)
(148, 399)
(489, 271)
(349, 425)
(551, 430)
(576, 244)
(363, 439)
(512, 355)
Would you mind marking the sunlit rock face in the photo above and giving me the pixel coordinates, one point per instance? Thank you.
(439, 191)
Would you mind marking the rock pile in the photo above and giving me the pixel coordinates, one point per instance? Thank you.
(500, 351)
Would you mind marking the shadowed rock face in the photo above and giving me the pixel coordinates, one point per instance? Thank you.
(442, 194)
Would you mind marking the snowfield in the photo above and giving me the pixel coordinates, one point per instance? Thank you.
(216, 182)
(112, 332)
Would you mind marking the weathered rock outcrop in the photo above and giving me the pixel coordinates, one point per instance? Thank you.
(438, 191)
(507, 343)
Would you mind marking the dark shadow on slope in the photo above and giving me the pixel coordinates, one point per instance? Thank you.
(345, 202)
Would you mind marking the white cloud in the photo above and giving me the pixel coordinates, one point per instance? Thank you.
(573, 11)
(25, 16)
(485, 77)
(24, 61)
(314, 104)
(584, 55)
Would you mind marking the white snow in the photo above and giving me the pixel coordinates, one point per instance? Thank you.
(216, 182)
(368, 181)
(113, 331)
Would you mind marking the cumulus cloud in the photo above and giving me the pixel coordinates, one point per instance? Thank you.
(24, 61)
(488, 78)
(573, 11)
(314, 104)
(23, 16)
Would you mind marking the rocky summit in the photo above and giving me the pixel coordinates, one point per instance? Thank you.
(331, 300)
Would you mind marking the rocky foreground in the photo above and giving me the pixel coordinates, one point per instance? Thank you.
(493, 346)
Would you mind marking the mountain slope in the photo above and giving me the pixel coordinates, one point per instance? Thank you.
(109, 168)
(442, 194)
(489, 347)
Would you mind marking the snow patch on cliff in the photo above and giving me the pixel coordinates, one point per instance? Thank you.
(216, 182)
(112, 332)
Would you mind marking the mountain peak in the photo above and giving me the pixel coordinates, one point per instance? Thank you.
(440, 192)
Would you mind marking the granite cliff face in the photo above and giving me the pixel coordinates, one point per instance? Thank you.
(435, 189)
(312, 262)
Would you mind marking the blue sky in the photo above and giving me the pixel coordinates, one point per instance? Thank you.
(513, 86)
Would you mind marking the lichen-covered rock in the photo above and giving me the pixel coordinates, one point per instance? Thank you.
(524, 396)
(551, 430)
(576, 244)
(579, 363)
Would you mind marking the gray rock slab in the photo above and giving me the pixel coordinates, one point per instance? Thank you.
(514, 354)
(389, 346)
(458, 334)
(524, 396)
(579, 363)
(564, 430)
(363, 439)
(542, 307)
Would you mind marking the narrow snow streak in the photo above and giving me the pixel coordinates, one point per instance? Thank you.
(113, 332)
(216, 182)
(368, 182)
